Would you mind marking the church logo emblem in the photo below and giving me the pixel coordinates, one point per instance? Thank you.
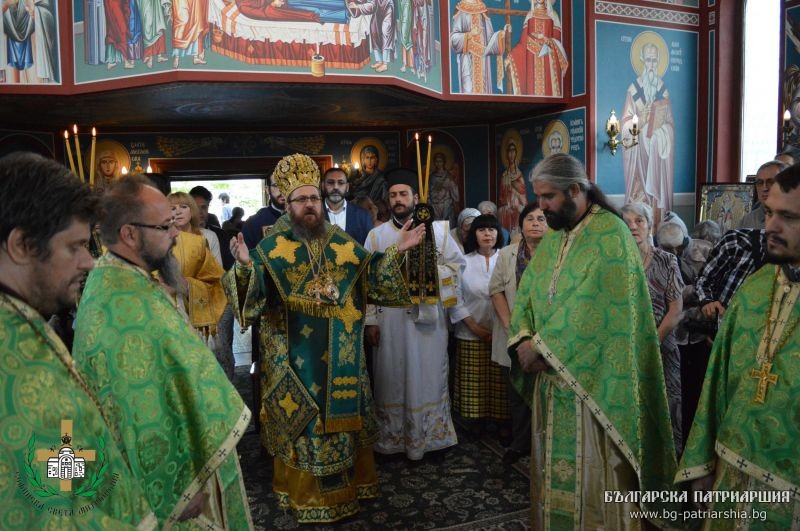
(66, 462)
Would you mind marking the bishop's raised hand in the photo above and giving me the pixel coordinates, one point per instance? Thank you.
(239, 250)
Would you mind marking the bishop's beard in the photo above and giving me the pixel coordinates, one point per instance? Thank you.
(308, 228)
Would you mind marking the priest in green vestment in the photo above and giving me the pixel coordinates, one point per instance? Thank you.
(60, 466)
(745, 439)
(177, 415)
(582, 329)
(307, 283)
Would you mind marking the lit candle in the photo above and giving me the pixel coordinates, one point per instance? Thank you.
(335, 164)
(78, 151)
(356, 165)
(419, 163)
(787, 115)
(635, 121)
(124, 171)
(612, 124)
(149, 169)
(69, 151)
(91, 157)
(428, 168)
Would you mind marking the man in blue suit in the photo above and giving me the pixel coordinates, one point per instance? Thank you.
(354, 220)
(253, 229)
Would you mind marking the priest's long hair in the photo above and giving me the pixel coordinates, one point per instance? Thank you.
(562, 171)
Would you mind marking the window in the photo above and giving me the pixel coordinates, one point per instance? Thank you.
(761, 102)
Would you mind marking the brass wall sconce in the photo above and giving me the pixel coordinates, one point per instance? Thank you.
(613, 131)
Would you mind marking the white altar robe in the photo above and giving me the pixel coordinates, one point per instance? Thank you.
(410, 367)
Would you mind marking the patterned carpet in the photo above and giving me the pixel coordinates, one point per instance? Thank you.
(467, 487)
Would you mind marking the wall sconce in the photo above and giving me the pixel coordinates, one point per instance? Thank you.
(787, 126)
(612, 130)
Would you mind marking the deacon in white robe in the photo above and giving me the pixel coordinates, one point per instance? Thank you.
(410, 365)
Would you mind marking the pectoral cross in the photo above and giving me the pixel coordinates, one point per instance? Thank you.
(315, 289)
(764, 377)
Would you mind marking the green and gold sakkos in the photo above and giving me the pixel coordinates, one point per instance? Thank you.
(40, 389)
(178, 416)
(583, 300)
(316, 404)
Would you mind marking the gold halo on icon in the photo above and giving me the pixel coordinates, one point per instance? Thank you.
(555, 127)
(511, 135)
(649, 37)
(116, 149)
(361, 143)
(445, 150)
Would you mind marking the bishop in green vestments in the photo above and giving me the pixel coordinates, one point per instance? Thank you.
(60, 467)
(177, 415)
(745, 440)
(582, 323)
(308, 282)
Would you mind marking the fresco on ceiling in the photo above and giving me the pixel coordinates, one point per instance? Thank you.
(791, 79)
(377, 38)
(29, 43)
(503, 49)
(647, 75)
(523, 144)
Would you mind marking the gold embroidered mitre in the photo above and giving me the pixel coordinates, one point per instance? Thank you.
(294, 171)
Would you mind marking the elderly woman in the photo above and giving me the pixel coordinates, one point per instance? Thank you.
(478, 391)
(666, 292)
(460, 233)
(692, 339)
(205, 301)
(511, 263)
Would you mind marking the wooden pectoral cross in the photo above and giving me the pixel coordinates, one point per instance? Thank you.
(765, 378)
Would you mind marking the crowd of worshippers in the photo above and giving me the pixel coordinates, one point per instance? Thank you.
(620, 356)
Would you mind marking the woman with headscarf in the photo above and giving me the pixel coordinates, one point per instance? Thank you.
(460, 232)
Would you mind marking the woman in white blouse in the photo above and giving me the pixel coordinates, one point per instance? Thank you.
(479, 391)
(511, 263)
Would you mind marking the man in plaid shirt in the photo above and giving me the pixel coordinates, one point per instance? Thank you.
(737, 255)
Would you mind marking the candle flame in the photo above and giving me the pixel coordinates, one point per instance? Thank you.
(94, 131)
(149, 169)
(124, 171)
(75, 128)
(66, 134)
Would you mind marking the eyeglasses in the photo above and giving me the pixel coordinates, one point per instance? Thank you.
(163, 228)
(303, 199)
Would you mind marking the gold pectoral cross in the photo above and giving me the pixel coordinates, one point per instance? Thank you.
(765, 377)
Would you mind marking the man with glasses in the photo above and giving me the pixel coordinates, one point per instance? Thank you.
(177, 415)
(765, 177)
(44, 258)
(256, 225)
(308, 283)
